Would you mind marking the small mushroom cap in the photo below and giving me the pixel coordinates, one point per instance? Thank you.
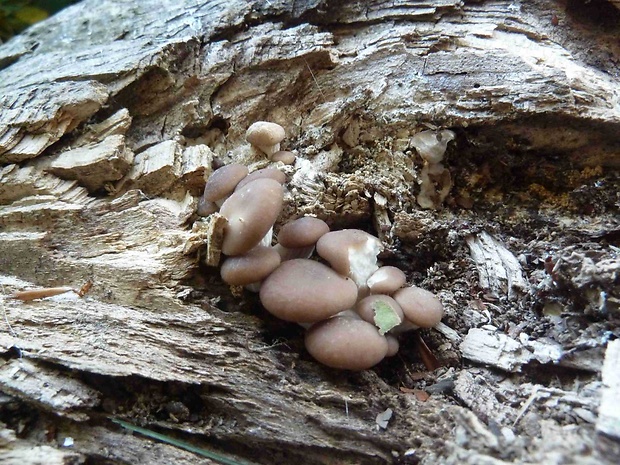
(386, 280)
(346, 343)
(302, 232)
(254, 266)
(291, 254)
(421, 307)
(393, 345)
(271, 173)
(305, 291)
(205, 208)
(264, 133)
(286, 157)
(223, 181)
(431, 145)
(367, 307)
(251, 212)
(351, 252)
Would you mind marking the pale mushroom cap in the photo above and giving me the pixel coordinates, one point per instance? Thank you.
(351, 252)
(302, 232)
(264, 133)
(421, 307)
(271, 173)
(254, 266)
(386, 280)
(305, 291)
(393, 345)
(286, 157)
(431, 145)
(223, 181)
(251, 212)
(366, 307)
(346, 343)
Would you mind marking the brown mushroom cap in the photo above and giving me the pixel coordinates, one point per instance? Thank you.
(286, 157)
(291, 254)
(421, 307)
(254, 266)
(223, 181)
(386, 280)
(351, 252)
(305, 291)
(346, 343)
(251, 212)
(271, 173)
(393, 345)
(302, 232)
(367, 307)
(205, 208)
(266, 136)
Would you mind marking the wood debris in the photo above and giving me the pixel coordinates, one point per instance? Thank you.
(499, 270)
(609, 411)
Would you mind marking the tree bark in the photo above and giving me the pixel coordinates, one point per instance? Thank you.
(111, 116)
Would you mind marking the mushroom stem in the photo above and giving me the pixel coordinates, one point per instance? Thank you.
(269, 150)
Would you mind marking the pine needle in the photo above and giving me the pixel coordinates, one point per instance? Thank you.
(177, 443)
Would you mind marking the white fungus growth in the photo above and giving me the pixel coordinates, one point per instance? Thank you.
(435, 180)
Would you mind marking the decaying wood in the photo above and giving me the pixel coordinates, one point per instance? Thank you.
(608, 423)
(113, 114)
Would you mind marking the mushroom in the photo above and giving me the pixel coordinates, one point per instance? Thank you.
(251, 213)
(266, 136)
(393, 345)
(386, 280)
(421, 308)
(297, 238)
(271, 173)
(346, 343)
(223, 182)
(351, 252)
(288, 158)
(432, 146)
(305, 291)
(302, 232)
(250, 268)
(292, 254)
(380, 310)
(205, 208)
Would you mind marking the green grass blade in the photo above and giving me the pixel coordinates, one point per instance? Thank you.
(175, 442)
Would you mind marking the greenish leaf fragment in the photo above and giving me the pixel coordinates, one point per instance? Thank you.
(385, 317)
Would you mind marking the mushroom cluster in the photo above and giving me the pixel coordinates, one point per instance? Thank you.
(328, 281)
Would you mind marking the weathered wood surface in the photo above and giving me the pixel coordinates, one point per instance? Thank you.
(110, 116)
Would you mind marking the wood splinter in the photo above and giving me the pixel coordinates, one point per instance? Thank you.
(33, 294)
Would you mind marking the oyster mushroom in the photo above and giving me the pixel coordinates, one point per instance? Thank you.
(351, 252)
(266, 136)
(346, 343)
(421, 308)
(305, 291)
(251, 213)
